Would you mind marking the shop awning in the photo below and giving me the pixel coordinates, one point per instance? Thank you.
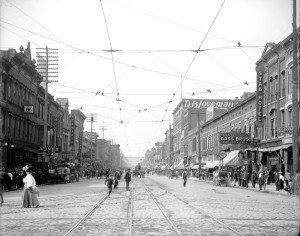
(180, 165)
(195, 167)
(211, 164)
(233, 161)
(165, 167)
(230, 156)
(272, 149)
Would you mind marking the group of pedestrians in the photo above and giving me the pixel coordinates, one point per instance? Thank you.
(30, 190)
(112, 180)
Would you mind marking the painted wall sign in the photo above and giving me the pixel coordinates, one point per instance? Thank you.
(203, 103)
(234, 138)
(259, 99)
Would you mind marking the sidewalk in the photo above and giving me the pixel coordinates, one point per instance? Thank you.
(271, 189)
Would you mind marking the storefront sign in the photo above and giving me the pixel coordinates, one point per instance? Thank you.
(72, 131)
(284, 130)
(199, 103)
(80, 141)
(259, 99)
(234, 138)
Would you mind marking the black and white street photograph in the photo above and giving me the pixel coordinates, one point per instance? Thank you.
(149, 118)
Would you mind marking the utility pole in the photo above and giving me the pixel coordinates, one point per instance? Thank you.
(199, 146)
(103, 128)
(44, 69)
(295, 99)
(92, 117)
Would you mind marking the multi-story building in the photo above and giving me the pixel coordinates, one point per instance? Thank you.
(274, 76)
(21, 109)
(63, 151)
(238, 123)
(186, 116)
(76, 135)
(168, 145)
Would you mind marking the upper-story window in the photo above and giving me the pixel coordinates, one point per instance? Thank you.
(289, 82)
(272, 89)
(273, 122)
(282, 79)
(290, 117)
(9, 88)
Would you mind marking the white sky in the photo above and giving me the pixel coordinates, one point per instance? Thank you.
(154, 38)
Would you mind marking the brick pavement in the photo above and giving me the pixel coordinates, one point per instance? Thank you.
(191, 208)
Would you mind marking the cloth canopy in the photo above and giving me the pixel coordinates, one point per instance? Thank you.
(211, 164)
(230, 156)
(180, 165)
(195, 167)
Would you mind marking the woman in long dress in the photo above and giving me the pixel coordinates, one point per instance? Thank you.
(30, 192)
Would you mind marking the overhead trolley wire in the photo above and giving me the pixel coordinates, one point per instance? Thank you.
(182, 79)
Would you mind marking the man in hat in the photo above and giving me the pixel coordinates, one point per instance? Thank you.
(276, 179)
(127, 178)
(184, 176)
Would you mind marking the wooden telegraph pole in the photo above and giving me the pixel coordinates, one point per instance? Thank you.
(295, 100)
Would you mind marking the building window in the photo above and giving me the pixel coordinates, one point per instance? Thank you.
(282, 119)
(276, 89)
(273, 122)
(289, 88)
(265, 128)
(282, 84)
(272, 89)
(290, 117)
(9, 87)
(20, 92)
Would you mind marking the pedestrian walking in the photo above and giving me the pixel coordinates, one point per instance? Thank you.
(30, 191)
(261, 179)
(287, 177)
(281, 181)
(107, 174)
(239, 176)
(276, 179)
(235, 177)
(109, 183)
(253, 178)
(184, 176)
(117, 178)
(267, 173)
(127, 178)
(1, 187)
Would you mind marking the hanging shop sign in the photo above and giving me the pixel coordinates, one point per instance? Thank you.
(28, 109)
(80, 141)
(72, 131)
(259, 99)
(234, 138)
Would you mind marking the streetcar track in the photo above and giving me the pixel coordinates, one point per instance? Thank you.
(94, 208)
(177, 231)
(198, 210)
(90, 212)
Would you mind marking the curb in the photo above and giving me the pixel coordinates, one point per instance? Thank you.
(285, 194)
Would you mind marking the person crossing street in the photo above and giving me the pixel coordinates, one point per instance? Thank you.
(184, 176)
(127, 178)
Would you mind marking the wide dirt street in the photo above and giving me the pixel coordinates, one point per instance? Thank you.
(155, 206)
